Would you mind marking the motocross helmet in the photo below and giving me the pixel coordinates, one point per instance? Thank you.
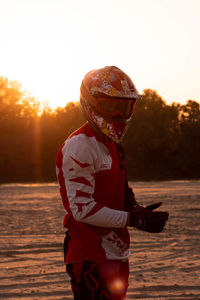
(107, 97)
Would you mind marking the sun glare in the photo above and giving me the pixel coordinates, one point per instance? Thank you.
(46, 94)
(46, 75)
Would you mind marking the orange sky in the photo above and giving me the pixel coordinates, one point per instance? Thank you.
(49, 45)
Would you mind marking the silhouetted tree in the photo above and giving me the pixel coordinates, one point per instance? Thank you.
(189, 139)
(154, 144)
(163, 141)
(18, 118)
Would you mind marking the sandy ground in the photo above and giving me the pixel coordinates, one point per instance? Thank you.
(162, 266)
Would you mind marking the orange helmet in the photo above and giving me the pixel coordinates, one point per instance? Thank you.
(108, 93)
(110, 81)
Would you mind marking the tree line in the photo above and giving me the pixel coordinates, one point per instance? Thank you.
(163, 141)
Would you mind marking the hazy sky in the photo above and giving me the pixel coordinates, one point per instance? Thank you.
(49, 45)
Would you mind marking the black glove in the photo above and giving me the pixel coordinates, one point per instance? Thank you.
(143, 218)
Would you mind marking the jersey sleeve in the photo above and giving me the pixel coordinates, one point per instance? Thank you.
(78, 169)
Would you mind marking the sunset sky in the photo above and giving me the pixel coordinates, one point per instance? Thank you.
(49, 45)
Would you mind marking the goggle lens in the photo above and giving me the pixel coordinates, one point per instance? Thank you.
(115, 108)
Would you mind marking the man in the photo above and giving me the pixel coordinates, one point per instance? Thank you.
(93, 185)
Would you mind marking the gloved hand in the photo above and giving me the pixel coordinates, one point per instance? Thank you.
(144, 218)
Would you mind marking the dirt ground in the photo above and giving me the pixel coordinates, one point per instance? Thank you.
(162, 266)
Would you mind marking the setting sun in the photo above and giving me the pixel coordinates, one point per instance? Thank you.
(48, 46)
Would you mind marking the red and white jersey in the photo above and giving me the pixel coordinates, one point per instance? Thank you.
(92, 176)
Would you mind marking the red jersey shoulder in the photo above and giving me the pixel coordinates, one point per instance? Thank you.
(90, 132)
(84, 129)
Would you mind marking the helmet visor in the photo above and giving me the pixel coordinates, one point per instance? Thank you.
(111, 108)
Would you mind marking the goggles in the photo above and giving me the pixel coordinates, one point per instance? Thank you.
(114, 108)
